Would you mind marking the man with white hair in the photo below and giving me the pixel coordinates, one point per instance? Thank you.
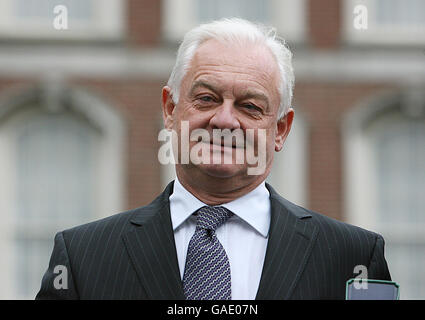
(219, 231)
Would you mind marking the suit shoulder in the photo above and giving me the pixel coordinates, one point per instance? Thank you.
(115, 222)
(330, 225)
(114, 225)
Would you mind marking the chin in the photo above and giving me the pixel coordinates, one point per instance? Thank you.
(222, 170)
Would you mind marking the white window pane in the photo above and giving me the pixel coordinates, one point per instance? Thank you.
(399, 22)
(407, 263)
(288, 175)
(400, 12)
(55, 168)
(85, 19)
(255, 10)
(56, 180)
(400, 160)
(288, 16)
(398, 142)
(31, 261)
(77, 9)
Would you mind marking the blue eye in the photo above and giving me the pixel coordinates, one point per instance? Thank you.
(206, 98)
(252, 107)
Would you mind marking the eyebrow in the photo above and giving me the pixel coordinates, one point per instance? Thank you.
(201, 83)
(248, 94)
(257, 95)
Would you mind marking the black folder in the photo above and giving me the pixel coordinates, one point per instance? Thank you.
(370, 289)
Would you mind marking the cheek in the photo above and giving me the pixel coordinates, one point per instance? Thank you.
(197, 118)
(181, 114)
(186, 122)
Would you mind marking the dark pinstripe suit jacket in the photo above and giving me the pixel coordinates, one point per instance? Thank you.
(132, 255)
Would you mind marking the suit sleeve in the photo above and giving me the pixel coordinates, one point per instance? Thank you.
(58, 282)
(378, 268)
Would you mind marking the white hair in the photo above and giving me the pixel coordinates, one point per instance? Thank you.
(236, 30)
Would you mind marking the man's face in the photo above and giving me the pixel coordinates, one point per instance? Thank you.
(230, 87)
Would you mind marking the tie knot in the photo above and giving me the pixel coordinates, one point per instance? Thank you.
(211, 218)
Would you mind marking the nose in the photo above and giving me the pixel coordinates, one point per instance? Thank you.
(224, 117)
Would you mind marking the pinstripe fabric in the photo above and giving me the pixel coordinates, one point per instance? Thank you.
(132, 256)
(311, 256)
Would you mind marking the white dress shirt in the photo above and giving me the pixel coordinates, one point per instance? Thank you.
(244, 236)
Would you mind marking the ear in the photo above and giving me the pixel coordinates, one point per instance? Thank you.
(167, 107)
(283, 127)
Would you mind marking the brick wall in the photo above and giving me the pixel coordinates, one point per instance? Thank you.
(324, 23)
(144, 22)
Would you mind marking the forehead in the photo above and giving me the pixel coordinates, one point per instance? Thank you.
(252, 64)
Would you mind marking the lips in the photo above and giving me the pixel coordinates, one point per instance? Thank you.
(234, 145)
(224, 145)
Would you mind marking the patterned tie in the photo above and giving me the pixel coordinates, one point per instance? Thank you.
(207, 271)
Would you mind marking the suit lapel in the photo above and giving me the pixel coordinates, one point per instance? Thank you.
(152, 251)
(291, 240)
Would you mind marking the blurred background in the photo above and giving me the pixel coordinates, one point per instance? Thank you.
(80, 117)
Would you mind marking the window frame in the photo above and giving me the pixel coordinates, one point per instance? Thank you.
(110, 177)
(108, 24)
(377, 34)
(361, 185)
(287, 16)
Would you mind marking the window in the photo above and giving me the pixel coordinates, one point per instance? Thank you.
(289, 173)
(53, 164)
(389, 22)
(86, 19)
(399, 159)
(256, 10)
(288, 16)
(385, 166)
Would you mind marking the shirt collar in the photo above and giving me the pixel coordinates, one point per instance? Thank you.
(253, 208)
